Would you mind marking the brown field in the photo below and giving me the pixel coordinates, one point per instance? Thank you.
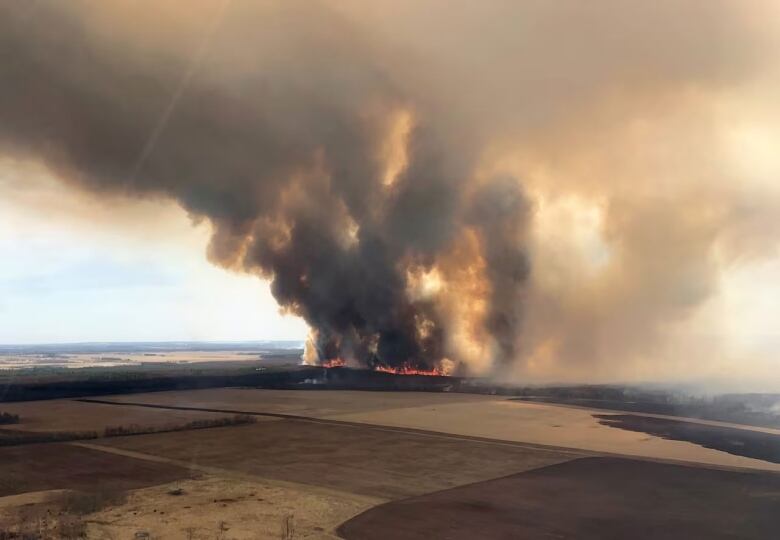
(340, 453)
(310, 403)
(590, 498)
(69, 415)
(180, 501)
(551, 425)
(213, 507)
(490, 417)
(39, 467)
(355, 459)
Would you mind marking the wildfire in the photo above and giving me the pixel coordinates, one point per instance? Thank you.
(334, 362)
(407, 369)
(404, 369)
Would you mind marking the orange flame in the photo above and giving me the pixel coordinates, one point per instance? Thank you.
(407, 369)
(333, 362)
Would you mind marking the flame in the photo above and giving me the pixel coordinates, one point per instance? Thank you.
(408, 369)
(333, 362)
(463, 302)
(310, 356)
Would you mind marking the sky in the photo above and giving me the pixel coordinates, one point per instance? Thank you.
(531, 190)
(71, 272)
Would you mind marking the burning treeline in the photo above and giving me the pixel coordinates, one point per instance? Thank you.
(396, 178)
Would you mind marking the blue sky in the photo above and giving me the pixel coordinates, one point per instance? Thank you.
(72, 270)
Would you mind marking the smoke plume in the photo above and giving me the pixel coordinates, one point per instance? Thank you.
(519, 187)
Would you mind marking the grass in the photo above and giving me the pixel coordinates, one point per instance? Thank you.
(61, 518)
(135, 429)
(13, 438)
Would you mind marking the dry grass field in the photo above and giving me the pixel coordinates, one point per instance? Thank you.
(468, 415)
(184, 502)
(358, 459)
(309, 403)
(587, 499)
(214, 507)
(338, 454)
(41, 467)
(550, 425)
(70, 415)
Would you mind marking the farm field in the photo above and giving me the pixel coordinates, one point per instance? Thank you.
(38, 482)
(490, 417)
(550, 425)
(589, 499)
(213, 507)
(309, 403)
(326, 458)
(71, 415)
(354, 459)
(115, 358)
(41, 467)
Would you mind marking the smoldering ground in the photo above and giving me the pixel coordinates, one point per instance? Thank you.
(396, 173)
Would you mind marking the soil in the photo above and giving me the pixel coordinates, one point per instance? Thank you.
(357, 459)
(71, 415)
(588, 498)
(39, 467)
(315, 404)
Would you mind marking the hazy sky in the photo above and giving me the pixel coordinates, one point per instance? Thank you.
(73, 271)
(547, 190)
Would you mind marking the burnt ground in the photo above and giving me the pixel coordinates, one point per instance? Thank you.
(588, 498)
(747, 409)
(740, 442)
(38, 467)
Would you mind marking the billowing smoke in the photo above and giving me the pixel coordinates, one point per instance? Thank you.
(537, 187)
(277, 122)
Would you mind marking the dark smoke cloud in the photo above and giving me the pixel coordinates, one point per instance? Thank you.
(500, 213)
(268, 122)
(278, 121)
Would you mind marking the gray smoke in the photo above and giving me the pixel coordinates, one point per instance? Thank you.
(269, 121)
(548, 188)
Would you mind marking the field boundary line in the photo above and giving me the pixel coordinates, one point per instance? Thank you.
(229, 473)
(574, 452)
(364, 425)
